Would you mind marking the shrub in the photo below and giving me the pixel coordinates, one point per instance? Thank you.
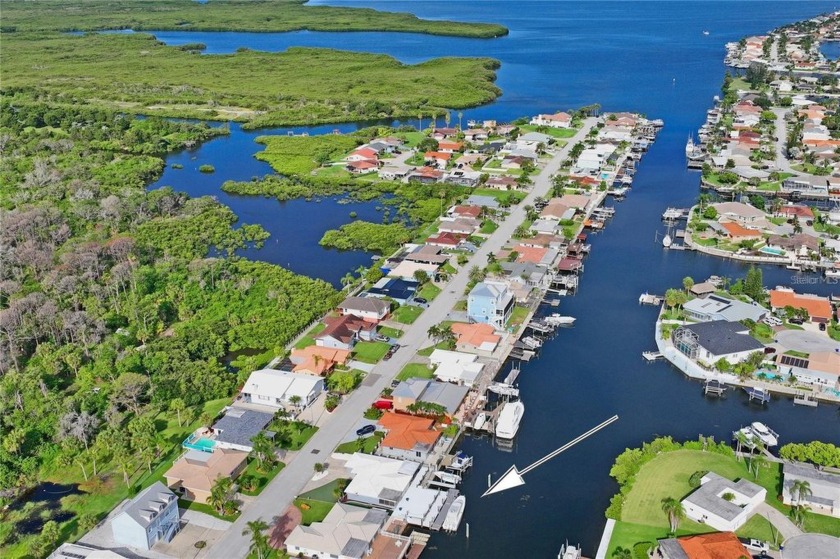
(207, 169)
(694, 480)
(641, 550)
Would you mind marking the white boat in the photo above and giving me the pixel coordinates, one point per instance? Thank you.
(832, 273)
(794, 267)
(758, 431)
(705, 32)
(507, 424)
(569, 552)
(666, 241)
(448, 478)
(454, 514)
(531, 342)
(559, 319)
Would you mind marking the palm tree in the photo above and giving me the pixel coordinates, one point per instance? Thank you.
(295, 401)
(742, 440)
(797, 514)
(688, 283)
(460, 116)
(758, 461)
(675, 512)
(178, 405)
(801, 490)
(220, 493)
(259, 540)
(262, 450)
(347, 280)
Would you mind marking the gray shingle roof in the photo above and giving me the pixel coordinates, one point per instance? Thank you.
(152, 499)
(239, 426)
(720, 337)
(707, 495)
(672, 549)
(446, 394)
(364, 304)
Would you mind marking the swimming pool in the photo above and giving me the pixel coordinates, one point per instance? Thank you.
(772, 251)
(199, 443)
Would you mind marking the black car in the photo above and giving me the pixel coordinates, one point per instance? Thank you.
(796, 321)
(366, 430)
(822, 326)
(420, 301)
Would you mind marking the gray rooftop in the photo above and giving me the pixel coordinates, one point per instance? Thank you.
(365, 304)
(721, 337)
(727, 309)
(450, 396)
(707, 495)
(239, 426)
(672, 549)
(153, 499)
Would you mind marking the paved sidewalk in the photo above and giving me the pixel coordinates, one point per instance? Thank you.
(786, 528)
(285, 487)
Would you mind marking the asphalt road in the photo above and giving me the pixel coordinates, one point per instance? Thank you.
(287, 485)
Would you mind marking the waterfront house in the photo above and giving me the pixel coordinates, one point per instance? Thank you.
(407, 270)
(825, 488)
(799, 211)
(702, 289)
(367, 308)
(476, 134)
(345, 533)
(737, 233)
(459, 225)
(425, 175)
(407, 437)
(194, 473)
(557, 120)
(480, 339)
(378, 481)
(148, 518)
(723, 504)
(473, 212)
(427, 254)
(711, 341)
(446, 240)
(717, 545)
(395, 172)
(455, 366)
(483, 201)
(464, 177)
(577, 201)
(490, 302)
(819, 308)
(317, 360)
(557, 210)
(814, 185)
(450, 147)
(801, 244)
(530, 275)
(820, 369)
(569, 266)
(542, 256)
(743, 214)
(413, 390)
(362, 154)
(238, 426)
(532, 141)
(543, 240)
(544, 226)
(444, 133)
(342, 332)
(716, 307)
(400, 290)
(279, 389)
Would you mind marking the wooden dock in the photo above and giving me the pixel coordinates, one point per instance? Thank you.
(713, 387)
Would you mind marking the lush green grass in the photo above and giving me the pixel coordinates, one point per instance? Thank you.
(370, 352)
(760, 528)
(299, 155)
(137, 74)
(415, 370)
(206, 509)
(429, 292)
(262, 478)
(390, 332)
(369, 444)
(309, 338)
(513, 196)
(407, 314)
(517, 316)
(627, 534)
(488, 227)
(548, 131)
(230, 15)
(319, 501)
(292, 435)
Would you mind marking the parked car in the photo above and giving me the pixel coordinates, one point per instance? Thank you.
(381, 338)
(420, 301)
(822, 326)
(366, 430)
(796, 321)
(755, 545)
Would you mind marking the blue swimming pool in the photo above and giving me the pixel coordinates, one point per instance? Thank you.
(199, 443)
(772, 251)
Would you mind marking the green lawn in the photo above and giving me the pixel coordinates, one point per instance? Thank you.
(488, 227)
(390, 332)
(206, 509)
(369, 444)
(415, 370)
(628, 534)
(429, 292)
(513, 195)
(548, 131)
(407, 314)
(263, 478)
(370, 352)
(517, 316)
(292, 435)
(309, 338)
(319, 501)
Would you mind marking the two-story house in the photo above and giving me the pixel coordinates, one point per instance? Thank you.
(149, 517)
(490, 302)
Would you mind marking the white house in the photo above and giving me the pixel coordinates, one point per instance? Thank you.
(711, 341)
(557, 120)
(278, 389)
(149, 517)
(454, 366)
(715, 307)
(825, 488)
(369, 309)
(378, 481)
(345, 533)
(723, 504)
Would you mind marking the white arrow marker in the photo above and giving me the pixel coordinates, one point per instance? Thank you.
(513, 477)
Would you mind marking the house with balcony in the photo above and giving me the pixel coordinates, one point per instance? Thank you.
(490, 302)
(148, 518)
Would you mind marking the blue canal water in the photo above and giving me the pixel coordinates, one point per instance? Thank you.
(650, 57)
(830, 49)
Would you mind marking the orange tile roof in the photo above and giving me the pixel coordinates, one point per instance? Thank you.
(318, 360)
(719, 545)
(406, 431)
(530, 254)
(817, 307)
(454, 146)
(475, 334)
(438, 155)
(736, 230)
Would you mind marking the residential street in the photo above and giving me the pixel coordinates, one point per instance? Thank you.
(286, 486)
(782, 163)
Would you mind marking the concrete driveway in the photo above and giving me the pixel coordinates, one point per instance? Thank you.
(807, 342)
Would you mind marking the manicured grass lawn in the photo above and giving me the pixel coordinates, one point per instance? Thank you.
(309, 338)
(548, 131)
(427, 351)
(206, 509)
(514, 196)
(488, 227)
(390, 332)
(628, 534)
(415, 370)
(407, 314)
(449, 268)
(517, 316)
(370, 352)
(760, 528)
(429, 292)
(262, 478)
(369, 445)
(292, 435)
(318, 502)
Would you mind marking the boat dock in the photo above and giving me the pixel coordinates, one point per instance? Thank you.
(714, 387)
(651, 356)
(758, 395)
(675, 214)
(805, 399)
(648, 299)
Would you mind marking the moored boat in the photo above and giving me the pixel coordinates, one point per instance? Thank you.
(569, 552)
(507, 424)
(454, 514)
(559, 319)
